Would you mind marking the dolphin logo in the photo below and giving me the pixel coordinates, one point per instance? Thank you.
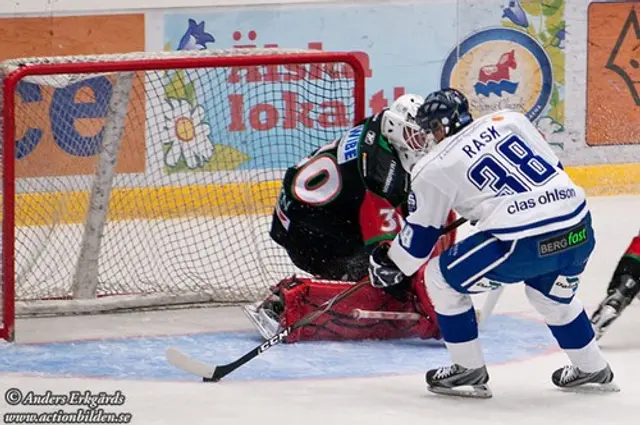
(625, 56)
(195, 38)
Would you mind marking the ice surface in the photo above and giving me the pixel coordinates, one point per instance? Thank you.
(523, 393)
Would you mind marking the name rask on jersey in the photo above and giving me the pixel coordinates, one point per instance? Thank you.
(490, 134)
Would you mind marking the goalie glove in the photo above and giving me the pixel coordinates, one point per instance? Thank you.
(385, 275)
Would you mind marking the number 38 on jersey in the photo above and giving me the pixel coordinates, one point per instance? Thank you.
(511, 168)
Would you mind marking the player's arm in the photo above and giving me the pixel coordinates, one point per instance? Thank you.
(413, 246)
(418, 237)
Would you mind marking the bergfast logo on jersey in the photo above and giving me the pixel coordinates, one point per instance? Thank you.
(500, 68)
(348, 148)
(571, 239)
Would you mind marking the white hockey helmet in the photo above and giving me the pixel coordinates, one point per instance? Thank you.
(400, 128)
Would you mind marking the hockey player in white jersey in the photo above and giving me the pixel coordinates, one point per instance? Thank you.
(533, 225)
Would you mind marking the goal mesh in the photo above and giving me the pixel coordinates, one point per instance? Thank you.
(149, 179)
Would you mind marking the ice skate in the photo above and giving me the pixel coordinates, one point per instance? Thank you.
(609, 310)
(573, 379)
(265, 316)
(603, 317)
(459, 381)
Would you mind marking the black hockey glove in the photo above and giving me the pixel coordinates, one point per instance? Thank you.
(385, 275)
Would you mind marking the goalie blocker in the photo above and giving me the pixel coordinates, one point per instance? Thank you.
(295, 297)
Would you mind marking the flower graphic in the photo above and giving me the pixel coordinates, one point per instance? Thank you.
(189, 143)
(186, 135)
(558, 40)
(545, 22)
(515, 13)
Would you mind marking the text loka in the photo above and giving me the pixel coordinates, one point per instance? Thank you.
(293, 113)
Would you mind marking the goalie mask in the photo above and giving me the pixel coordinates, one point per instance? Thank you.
(404, 134)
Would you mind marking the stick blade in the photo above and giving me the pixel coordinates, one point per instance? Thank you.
(189, 364)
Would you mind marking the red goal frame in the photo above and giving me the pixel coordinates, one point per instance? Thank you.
(11, 80)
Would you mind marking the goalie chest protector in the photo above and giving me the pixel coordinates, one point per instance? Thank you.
(321, 197)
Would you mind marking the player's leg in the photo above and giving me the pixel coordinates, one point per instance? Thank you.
(623, 288)
(553, 295)
(294, 298)
(339, 322)
(527, 260)
(451, 278)
(566, 318)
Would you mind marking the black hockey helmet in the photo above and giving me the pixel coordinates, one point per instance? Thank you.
(446, 109)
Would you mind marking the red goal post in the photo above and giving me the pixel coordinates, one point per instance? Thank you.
(147, 180)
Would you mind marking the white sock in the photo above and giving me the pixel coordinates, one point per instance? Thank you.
(588, 358)
(466, 354)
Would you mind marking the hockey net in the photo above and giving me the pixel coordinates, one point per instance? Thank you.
(148, 179)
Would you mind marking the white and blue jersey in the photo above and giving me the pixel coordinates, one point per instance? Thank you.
(533, 227)
(498, 172)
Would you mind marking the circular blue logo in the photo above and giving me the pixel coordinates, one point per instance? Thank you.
(500, 68)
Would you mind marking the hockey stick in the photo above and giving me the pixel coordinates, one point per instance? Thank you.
(384, 315)
(481, 315)
(488, 306)
(453, 226)
(216, 373)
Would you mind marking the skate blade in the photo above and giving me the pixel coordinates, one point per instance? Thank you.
(258, 322)
(593, 388)
(468, 391)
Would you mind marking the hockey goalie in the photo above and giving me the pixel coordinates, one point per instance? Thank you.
(334, 207)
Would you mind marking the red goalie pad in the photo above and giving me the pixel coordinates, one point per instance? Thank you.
(307, 294)
(301, 296)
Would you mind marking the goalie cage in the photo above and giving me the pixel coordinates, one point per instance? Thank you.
(146, 180)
